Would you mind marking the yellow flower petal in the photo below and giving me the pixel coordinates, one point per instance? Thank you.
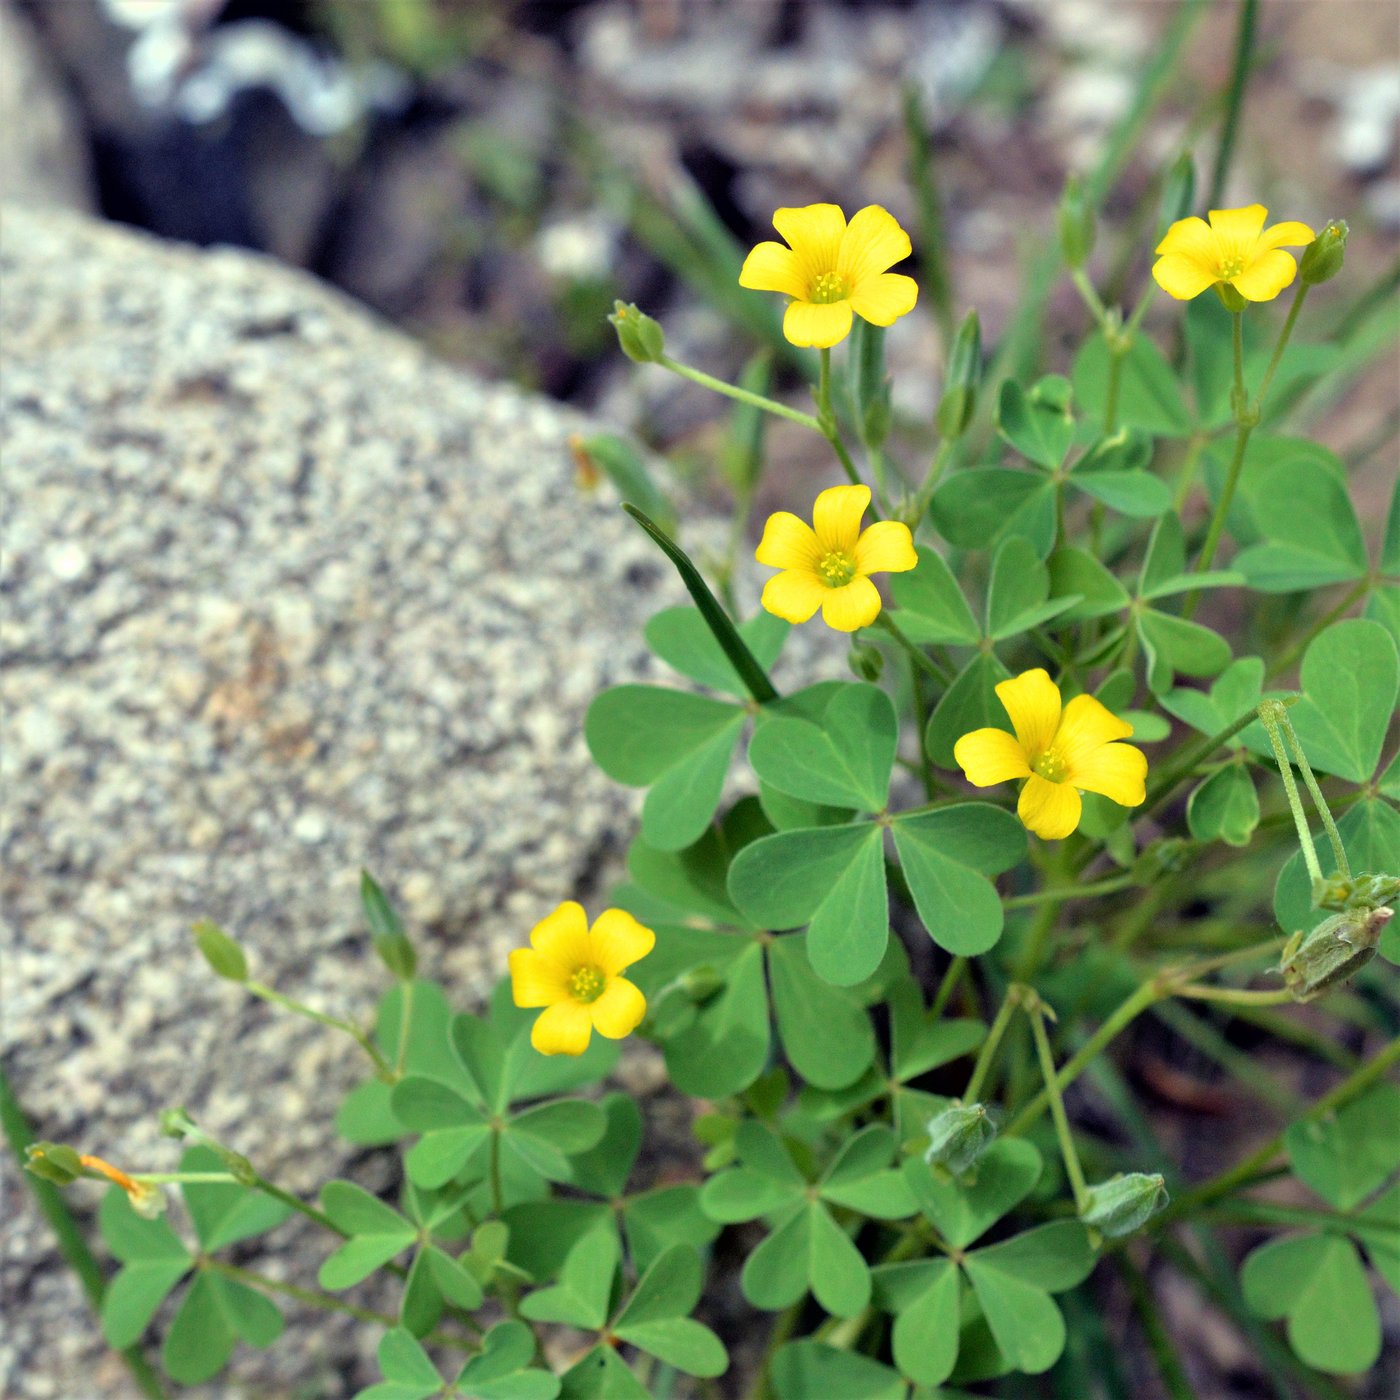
(1290, 235)
(836, 517)
(1192, 237)
(884, 299)
(1050, 810)
(1236, 229)
(872, 243)
(989, 756)
(788, 543)
(1182, 276)
(773, 268)
(1086, 726)
(885, 547)
(1118, 771)
(856, 605)
(793, 595)
(1032, 700)
(618, 941)
(814, 234)
(562, 937)
(806, 323)
(564, 1028)
(536, 980)
(1266, 276)
(619, 1011)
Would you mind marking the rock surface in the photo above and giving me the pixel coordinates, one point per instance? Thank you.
(284, 597)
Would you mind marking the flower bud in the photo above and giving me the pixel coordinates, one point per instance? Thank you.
(866, 661)
(1124, 1203)
(1077, 225)
(701, 985)
(959, 400)
(958, 1137)
(222, 954)
(54, 1161)
(641, 338)
(1340, 946)
(1363, 891)
(1322, 259)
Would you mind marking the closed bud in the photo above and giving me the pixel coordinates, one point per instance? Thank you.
(1339, 947)
(1322, 259)
(1124, 1203)
(959, 401)
(386, 929)
(958, 1137)
(701, 984)
(1364, 891)
(641, 338)
(222, 954)
(54, 1161)
(1077, 224)
(866, 661)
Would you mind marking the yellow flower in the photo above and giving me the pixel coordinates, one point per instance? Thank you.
(832, 269)
(1059, 753)
(1234, 248)
(829, 567)
(575, 973)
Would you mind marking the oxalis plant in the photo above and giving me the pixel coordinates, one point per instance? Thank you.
(890, 927)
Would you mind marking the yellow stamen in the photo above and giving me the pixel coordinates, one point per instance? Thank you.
(836, 569)
(829, 287)
(586, 984)
(1230, 269)
(1051, 766)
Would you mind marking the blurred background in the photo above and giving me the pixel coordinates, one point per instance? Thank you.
(490, 174)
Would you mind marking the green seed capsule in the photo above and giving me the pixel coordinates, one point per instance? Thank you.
(1124, 1203)
(641, 338)
(1338, 948)
(958, 1137)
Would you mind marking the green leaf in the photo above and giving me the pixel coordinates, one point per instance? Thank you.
(726, 1046)
(682, 639)
(677, 744)
(1037, 424)
(1166, 554)
(971, 702)
(584, 1290)
(691, 880)
(1378, 1228)
(824, 1030)
(1238, 688)
(1350, 677)
(604, 1168)
(845, 761)
(1027, 1326)
(946, 856)
(804, 1370)
(386, 929)
(860, 1178)
(1225, 807)
(975, 509)
(133, 1238)
(421, 1303)
(453, 1131)
(1346, 1156)
(932, 607)
(542, 1232)
(1138, 494)
(133, 1296)
(1172, 644)
(669, 1288)
(925, 1338)
(670, 1215)
(962, 1212)
(1148, 395)
(568, 1125)
(920, 1042)
(499, 1373)
(681, 1342)
(453, 1281)
(628, 472)
(223, 1213)
(408, 1373)
(1076, 573)
(602, 1375)
(1318, 1283)
(378, 1233)
(1019, 586)
(214, 1315)
(775, 1275)
(1383, 606)
(836, 1269)
(1052, 1257)
(830, 878)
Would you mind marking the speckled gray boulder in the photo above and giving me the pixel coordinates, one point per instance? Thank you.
(284, 597)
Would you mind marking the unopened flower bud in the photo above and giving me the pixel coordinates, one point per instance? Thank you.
(958, 1137)
(701, 984)
(866, 661)
(1077, 225)
(1322, 259)
(641, 338)
(55, 1162)
(1340, 946)
(1124, 1203)
(1365, 891)
(220, 951)
(959, 401)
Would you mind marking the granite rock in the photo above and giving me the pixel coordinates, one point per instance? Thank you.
(284, 597)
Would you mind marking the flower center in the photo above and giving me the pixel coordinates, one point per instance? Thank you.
(836, 568)
(1051, 766)
(829, 287)
(586, 984)
(1231, 267)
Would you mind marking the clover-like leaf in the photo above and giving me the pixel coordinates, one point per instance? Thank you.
(683, 640)
(212, 1318)
(963, 1212)
(825, 1031)
(932, 608)
(1037, 424)
(1225, 807)
(154, 1260)
(377, 1232)
(975, 509)
(655, 1318)
(581, 1297)
(1345, 1156)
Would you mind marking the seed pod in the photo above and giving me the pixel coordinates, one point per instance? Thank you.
(1077, 224)
(1339, 947)
(221, 952)
(1124, 1203)
(54, 1161)
(641, 338)
(958, 1137)
(866, 661)
(1322, 259)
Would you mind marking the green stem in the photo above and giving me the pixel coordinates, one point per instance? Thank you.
(1009, 1003)
(956, 969)
(497, 1196)
(1169, 1368)
(1319, 801)
(261, 1183)
(935, 475)
(1090, 297)
(1057, 1107)
(1185, 763)
(1234, 101)
(1064, 893)
(382, 1066)
(1287, 660)
(1234, 995)
(708, 381)
(1299, 296)
(920, 658)
(1269, 711)
(828, 427)
(1115, 375)
(1194, 449)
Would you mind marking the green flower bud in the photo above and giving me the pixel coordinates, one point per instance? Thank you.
(958, 1137)
(1322, 259)
(222, 954)
(1077, 224)
(866, 661)
(53, 1161)
(1340, 946)
(959, 400)
(701, 984)
(1124, 1203)
(386, 929)
(641, 338)
(1364, 891)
